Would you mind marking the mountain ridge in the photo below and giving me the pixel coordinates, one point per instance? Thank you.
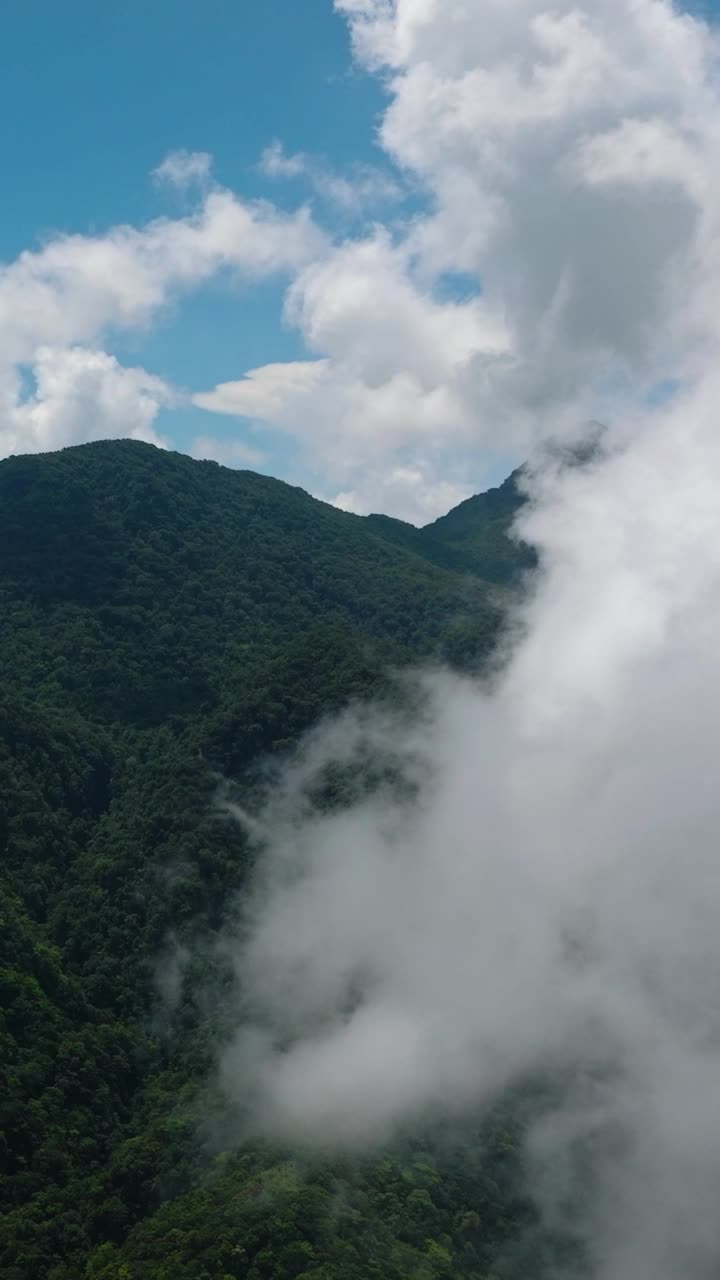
(506, 497)
(144, 544)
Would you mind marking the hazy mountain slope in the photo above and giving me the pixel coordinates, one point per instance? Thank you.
(164, 620)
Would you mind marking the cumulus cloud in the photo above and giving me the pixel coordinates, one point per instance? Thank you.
(567, 155)
(76, 291)
(388, 383)
(353, 425)
(360, 433)
(568, 150)
(79, 395)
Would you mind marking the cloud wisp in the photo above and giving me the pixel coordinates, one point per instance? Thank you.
(182, 169)
(363, 188)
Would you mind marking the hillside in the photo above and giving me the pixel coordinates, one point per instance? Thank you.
(140, 582)
(476, 532)
(164, 622)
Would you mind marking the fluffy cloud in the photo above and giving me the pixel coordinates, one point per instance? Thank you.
(390, 381)
(384, 443)
(78, 287)
(77, 290)
(567, 150)
(568, 156)
(79, 395)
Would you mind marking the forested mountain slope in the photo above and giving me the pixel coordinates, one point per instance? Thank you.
(164, 622)
(476, 532)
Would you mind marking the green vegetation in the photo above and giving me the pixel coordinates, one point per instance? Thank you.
(164, 622)
(475, 532)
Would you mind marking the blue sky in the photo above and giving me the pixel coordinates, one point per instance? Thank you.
(94, 95)
(410, 343)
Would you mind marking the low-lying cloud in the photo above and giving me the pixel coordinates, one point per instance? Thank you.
(542, 896)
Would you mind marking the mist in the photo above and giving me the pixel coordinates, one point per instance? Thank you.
(540, 897)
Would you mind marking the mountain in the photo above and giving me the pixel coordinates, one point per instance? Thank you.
(166, 622)
(141, 582)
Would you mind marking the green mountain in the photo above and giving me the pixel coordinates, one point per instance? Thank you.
(165, 622)
(477, 532)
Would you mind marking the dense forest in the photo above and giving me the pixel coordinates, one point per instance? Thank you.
(166, 624)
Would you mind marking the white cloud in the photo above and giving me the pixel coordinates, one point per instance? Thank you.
(78, 290)
(329, 412)
(390, 380)
(183, 168)
(499, 109)
(79, 395)
(77, 287)
(265, 392)
(550, 904)
(568, 155)
(366, 188)
(339, 420)
(360, 305)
